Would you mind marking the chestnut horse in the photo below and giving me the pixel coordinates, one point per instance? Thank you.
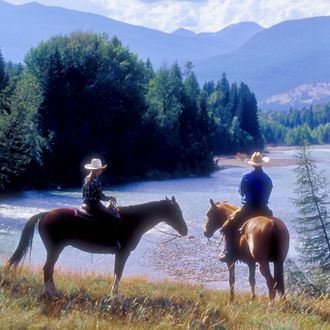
(66, 226)
(260, 240)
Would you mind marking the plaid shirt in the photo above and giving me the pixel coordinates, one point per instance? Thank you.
(92, 190)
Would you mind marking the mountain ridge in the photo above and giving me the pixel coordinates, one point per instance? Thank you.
(277, 59)
(32, 23)
(272, 61)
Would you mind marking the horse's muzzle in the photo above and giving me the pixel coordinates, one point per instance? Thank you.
(207, 234)
(183, 232)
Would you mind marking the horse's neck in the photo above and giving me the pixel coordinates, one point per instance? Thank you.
(145, 216)
(228, 209)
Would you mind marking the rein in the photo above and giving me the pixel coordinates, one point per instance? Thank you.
(174, 236)
(219, 241)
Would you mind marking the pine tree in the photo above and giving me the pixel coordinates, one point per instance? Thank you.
(313, 222)
(225, 111)
(3, 74)
(311, 275)
(20, 143)
(248, 117)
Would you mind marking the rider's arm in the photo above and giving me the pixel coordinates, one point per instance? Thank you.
(269, 186)
(242, 187)
(97, 189)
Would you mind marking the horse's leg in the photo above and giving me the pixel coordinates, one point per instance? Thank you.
(252, 278)
(279, 277)
(231, 269)
(52, 256)
(120, 260)
(265, 271)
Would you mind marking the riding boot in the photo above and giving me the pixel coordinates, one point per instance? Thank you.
(228, 254)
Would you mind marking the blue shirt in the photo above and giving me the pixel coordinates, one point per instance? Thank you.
(255, 188)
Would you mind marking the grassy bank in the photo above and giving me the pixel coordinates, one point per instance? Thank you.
(86, 304)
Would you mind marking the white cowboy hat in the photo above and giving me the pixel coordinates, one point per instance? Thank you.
(258, 160)
(95, 164)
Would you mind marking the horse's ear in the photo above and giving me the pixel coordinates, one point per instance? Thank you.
(173, 199)
(167, 198)
(212, 202)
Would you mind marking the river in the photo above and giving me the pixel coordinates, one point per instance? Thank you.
(191, 258)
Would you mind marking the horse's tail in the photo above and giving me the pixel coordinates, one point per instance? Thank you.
(279, 276)
(25, 241)
(279, 246)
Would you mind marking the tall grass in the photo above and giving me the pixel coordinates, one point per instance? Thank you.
(86, 304)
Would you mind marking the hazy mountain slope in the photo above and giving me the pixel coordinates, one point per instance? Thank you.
(234, 35)
(273, 61)
(302, 95)
(277, 59)
(26, 25)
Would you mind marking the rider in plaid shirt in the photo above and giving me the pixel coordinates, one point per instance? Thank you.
(93, 194)
(92, 190)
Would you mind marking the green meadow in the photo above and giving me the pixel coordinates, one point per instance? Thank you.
(85, 303)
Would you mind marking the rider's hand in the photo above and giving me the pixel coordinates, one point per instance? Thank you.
(113, 199)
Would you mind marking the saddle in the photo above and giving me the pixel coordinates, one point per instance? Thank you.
(85, 209)
(84, 212)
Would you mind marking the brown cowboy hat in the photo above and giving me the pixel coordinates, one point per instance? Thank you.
(257, 159)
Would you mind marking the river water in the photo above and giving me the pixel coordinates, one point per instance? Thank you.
(191, 258)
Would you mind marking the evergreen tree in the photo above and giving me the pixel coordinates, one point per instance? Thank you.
(225, 110)
(313, 222)
(20, 143)
(190, 119)
(3, 74)
(248, 116)
(232, 106)
(209, 87)
(312, 274)
(93, 104)
(164, 97)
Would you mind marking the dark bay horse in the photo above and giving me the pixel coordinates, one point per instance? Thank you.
(261, 240)
(64, 226)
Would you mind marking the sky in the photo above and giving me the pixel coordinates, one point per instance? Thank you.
(195, 15)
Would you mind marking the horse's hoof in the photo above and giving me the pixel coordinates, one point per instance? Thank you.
(52, 294)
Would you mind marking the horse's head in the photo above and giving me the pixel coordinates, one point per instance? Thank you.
(174, 217)
(216, 215)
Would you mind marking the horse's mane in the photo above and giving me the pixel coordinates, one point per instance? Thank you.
(226, 205)
(134, 209)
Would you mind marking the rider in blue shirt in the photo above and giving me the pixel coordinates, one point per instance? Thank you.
(255, 189)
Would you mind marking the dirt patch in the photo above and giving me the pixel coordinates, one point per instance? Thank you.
(195, 260)
(239, 160)
(234, 161)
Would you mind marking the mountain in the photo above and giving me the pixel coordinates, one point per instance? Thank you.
(184, 33)
(302, 95)
(284, 64)
(277, 59)
(233, 35)
(24, 26)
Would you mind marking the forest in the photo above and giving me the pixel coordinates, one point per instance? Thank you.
(84, 95)
(293, 127)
